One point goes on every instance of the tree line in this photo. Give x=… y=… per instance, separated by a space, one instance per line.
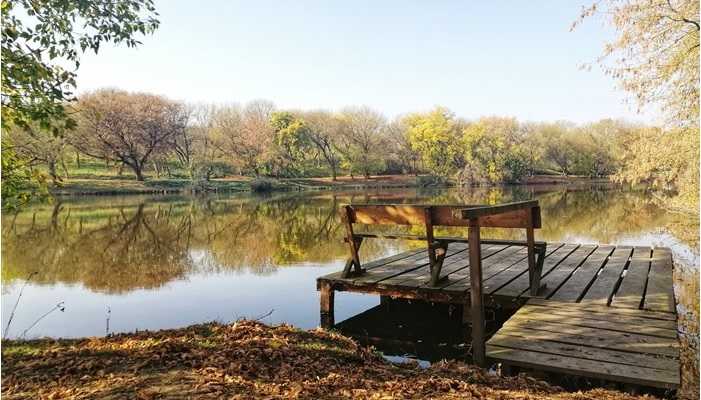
x=147 y=133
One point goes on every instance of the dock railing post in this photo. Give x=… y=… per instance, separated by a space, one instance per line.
x=476 y=307
x=534 y=271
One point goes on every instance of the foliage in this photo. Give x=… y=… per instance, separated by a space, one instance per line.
x=493 y=151
x=20 y=183
x=292 y=143
x=668 y=161
x=40 y=37
x=656 y=59
x=431 y=181
x=201 y=142
x=262 y=185
x=435 y=137
x=656 y=53
x=35 y=148
x=41 y=41
x=401 y=153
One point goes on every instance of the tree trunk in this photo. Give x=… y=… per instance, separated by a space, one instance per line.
x=333 y=172
x=63 y=165
x=52 y=172
x=137 y=171
x=77 y=159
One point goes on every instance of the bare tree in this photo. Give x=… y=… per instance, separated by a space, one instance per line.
x=190 y=144
x=362 y=132
x=323 y=132
x=244 y=135
x=38 y=148
x=130 y=128
x=400 y=146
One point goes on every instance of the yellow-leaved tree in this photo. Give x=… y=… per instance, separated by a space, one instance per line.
x=655 y=58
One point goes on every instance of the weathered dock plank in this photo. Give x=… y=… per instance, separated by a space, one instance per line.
x=563 y=270
x=630 y=293
x=402 y=266
x=421 y=276
x=569 y=312
x=521 y=284
x=584 y=367
x=590 y=338
x=579 y=281
x=461 y=271
x=585 y=339
x=597 y=308
x=659 y=295
x=518 y=340
x=607 y=311
x=603 y=287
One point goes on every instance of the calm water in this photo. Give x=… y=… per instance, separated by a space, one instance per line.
x=162 y=262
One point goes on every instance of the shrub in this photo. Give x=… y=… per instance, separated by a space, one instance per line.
x=431 y=181
x=262 y=185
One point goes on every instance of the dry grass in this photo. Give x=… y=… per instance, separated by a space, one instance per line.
x=245 y=360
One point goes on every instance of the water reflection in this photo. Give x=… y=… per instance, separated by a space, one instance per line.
x=143 y=243
x=163 y=262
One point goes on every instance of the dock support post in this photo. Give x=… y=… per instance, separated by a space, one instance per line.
x=326 y=306
x=476 y=308
x=535 y=268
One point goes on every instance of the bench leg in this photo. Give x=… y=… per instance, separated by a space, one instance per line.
x=437 y=257
x=326 y=306
x=354 y=261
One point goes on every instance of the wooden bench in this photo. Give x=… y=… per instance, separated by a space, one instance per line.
x=518 y=215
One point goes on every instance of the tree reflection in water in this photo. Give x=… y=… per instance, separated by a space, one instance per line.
x=146 y=242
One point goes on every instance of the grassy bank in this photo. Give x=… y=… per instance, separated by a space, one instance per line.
x=245 y=360
x=118 y=185
x=113 y=185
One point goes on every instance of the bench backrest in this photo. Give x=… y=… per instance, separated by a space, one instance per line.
x=524 y=216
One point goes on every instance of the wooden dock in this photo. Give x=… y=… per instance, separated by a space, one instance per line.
x=604 y=311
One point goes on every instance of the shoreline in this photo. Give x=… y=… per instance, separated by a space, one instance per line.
x=248 y=359
x=111 y=187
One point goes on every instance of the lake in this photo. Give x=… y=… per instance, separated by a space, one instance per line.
x=120 y=264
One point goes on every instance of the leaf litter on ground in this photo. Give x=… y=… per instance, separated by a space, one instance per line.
x=248 y=360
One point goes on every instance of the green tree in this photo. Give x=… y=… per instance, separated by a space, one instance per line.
x=42 y=41
x=494 y=151
x=40 y=36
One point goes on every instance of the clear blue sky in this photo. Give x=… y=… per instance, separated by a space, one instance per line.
x=510 y=58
